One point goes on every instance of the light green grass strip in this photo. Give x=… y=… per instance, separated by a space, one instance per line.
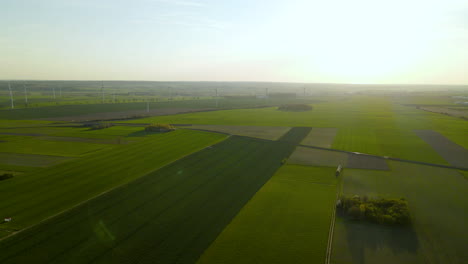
x=285 y=222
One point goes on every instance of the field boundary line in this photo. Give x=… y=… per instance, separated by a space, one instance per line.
x=105 y=192
x=387 y=158
x=332 y=225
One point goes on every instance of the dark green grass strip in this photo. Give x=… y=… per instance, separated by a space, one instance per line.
x=295 y=135
x=39 y=195
x=168 y=216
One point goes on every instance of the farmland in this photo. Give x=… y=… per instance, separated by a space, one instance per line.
x=185 y=219
x=437 y=234
x=285 y=222
x=32 y=197
x=263 y=132
x=369 y=125
x=238 y=181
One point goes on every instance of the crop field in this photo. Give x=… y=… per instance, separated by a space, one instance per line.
x=96 y=109
x=29 y=159
x=451 y=152
x=287 y=221
x=373 y=125
x=238 y=181
x=317 y=157
x=52 y=148
x=263 y=132
x=37 y=195
x=438 y=206
x=17 y=169
x=366 y=162
x=71 y=133
x=321 y=137
x=171 y=215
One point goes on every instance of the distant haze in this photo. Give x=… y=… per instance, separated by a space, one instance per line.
x=336 y=41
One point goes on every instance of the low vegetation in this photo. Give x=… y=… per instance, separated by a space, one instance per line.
x=280 y=224
x=5 y=176
x=96 y=126
x=295 y=107
x=171 y=215
x=379 y=210
x=25 y=198
x=159 y=128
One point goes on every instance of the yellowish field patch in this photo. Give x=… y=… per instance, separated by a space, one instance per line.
x=321 y=137
x=263 y=132
x=317 y=157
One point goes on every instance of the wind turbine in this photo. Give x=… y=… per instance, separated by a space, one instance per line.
x=11 y=95
x=147 y=105
x=25 y=94
x=102 y=91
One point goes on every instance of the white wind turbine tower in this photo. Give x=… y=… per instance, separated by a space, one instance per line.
x=11 y=95
x=102 y=91
x=147 y=105
x=25 y=94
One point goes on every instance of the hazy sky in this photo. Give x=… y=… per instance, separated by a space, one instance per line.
x=354 y=41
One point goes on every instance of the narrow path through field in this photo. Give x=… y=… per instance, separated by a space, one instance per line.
x=389 y=158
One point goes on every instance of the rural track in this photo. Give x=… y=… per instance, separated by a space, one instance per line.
x=388 y=158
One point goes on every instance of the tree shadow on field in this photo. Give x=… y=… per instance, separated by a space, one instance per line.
x=363 y=237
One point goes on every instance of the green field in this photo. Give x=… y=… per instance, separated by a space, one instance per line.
x=438 y=206
x=29 y=160
x=263 y=132
x=373 y=125
x=52 y=148
x=38 y=195
x=287 y=221
x=170 y=215
x=318 y=157
x=123 y=195
x=320 y=137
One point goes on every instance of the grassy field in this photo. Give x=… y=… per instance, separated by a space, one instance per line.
x=287 y=221
x=367 y=124
x=93 y=107
x=53 y=148
x=438 y=207
x=170 y=215
x=318 y=157
x=320 y=137
x=190 y=195
x=263 y=132
x=29 y=160
x=37 y=195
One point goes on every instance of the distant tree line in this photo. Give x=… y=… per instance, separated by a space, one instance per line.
x=295 y=107
x=379 y=210
x=159 y=128
x=96 y=126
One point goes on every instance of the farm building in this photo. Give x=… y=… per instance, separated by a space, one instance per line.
x=338 y=170
x=7 y=219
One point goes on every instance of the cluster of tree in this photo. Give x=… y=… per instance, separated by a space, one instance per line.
x=159 y=128
x=295 y=107
x=379 y=210
x=5 y=176
x=96 y=126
